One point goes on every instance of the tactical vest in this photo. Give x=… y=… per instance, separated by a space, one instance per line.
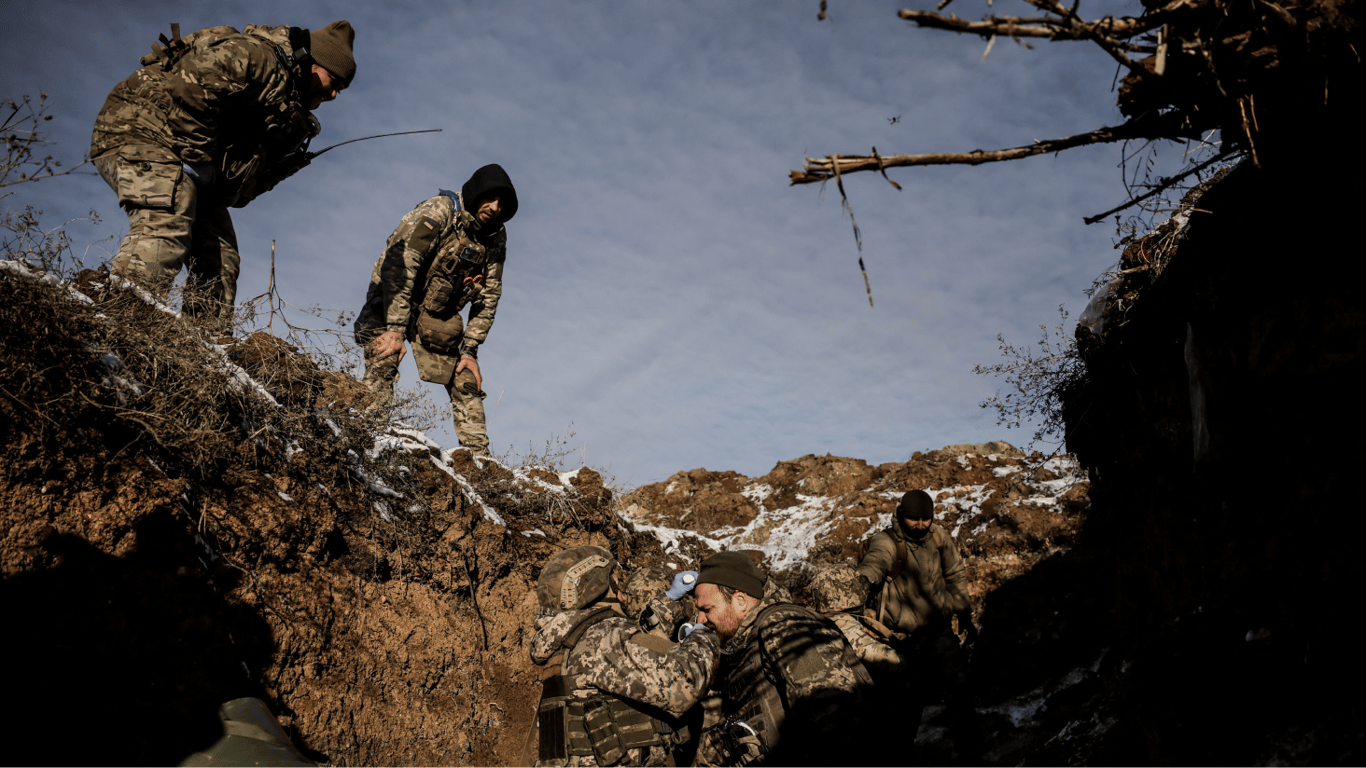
x=602 y=725
x=439 y=324
x=754 y=690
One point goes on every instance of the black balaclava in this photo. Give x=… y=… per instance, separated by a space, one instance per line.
x=489 y=179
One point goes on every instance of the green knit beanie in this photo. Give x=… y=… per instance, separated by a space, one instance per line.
x=331 y=48
x=735 y=570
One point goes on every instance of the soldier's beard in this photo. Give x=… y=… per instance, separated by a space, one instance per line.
x=914 y=533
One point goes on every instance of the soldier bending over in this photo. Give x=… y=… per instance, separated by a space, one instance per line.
x=446 y=253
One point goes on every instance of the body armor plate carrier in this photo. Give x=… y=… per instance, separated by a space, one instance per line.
x=602 y=725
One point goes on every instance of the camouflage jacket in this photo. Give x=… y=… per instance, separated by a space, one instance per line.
x=607 y=659
x=789 y=673
x=399 y=279
x=229 y=103
x=931 y=586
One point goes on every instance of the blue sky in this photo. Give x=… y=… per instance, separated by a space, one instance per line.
x=667 y=292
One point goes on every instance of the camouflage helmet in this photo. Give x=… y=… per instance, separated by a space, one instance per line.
x=644 y=585
x=575 y=578
x=838 y=588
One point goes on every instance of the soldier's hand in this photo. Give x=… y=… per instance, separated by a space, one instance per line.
x=389 y=343
x=684 y=581
x=689 y=627
x=469 y=363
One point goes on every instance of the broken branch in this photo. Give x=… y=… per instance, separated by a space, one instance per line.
x=822 y=169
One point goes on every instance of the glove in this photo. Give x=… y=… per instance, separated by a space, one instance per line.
x=683 y=584
x=687 y=628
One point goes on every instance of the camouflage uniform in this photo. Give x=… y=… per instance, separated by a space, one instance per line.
x=402 y=298
x=616 y=667
x=791 y=676
x=840 y=593
x=230 y=107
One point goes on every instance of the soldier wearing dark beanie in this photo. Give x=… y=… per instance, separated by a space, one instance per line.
x=791 y=689
x=915 y=505
x=331 y=48
x=735 y=570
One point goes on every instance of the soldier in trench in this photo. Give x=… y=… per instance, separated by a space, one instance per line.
x=447 y=252
x=792 y=690
x=612 y=693
x=918 y=585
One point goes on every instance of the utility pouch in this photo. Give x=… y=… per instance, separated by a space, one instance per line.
x=440 y=291
x=603 y=733
x=553 y=721
x=441 y=335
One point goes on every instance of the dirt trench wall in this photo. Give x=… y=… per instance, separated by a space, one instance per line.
x=1222 y=428
x=141 y=591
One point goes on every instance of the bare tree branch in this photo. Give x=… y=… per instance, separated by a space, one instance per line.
x=19 y=131
x=1163 y=185
x=822 y=169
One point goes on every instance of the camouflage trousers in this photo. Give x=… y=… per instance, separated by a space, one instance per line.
x=170 y=225
x=467 y=401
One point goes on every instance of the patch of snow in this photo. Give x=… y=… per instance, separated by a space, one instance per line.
x=141 y=293
x=757 y=493
x=533 y=532
x=383 y=510
x=1005 y=469
x=284 y=496
x=18 y=268
x=669 y=538
x=383 y=489
x=475 y=498
x=408 y=440
x=238 y=379
x=522 y=474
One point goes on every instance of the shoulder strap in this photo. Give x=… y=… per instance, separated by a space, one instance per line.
x=168 y=51
x=902 y=554
x=455 y=198
x=172 y=50
x=571 y=638
x=770 y=665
